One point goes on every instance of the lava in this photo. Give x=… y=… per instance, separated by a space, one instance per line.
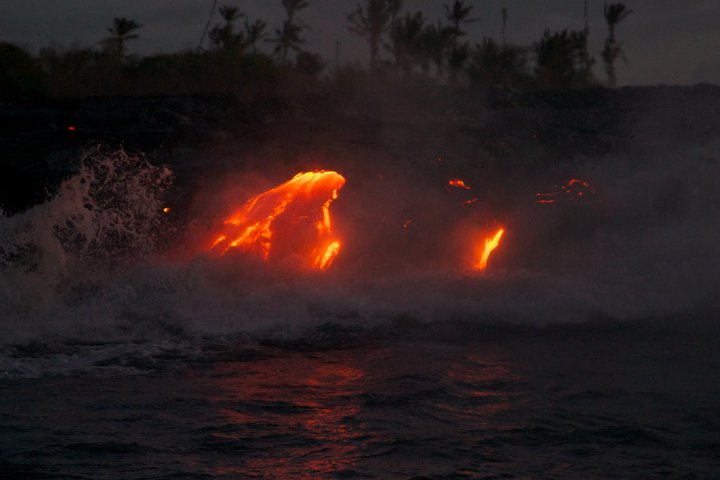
x=578 y=188
x=491 y=243
x=574 y=189
x=459 y=183
x=290 y=219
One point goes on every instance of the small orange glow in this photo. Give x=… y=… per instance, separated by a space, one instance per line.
x=166 y=210
x=573 y=190
x=472 y=201
x=458 y=183
x=546 y=198
x=491 y=243
x=292 y=218
x=407 y=223
x=577 y=183
x=71 y=128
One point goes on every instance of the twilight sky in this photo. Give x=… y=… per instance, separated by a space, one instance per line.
x=666 y=41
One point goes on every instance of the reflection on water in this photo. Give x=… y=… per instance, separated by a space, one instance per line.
x=399 y=408
x=296 y=407
x=316 y=415
x=486 y=387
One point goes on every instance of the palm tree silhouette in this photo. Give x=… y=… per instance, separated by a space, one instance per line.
x=614 y=14
x=458 y=57
x=562 y=60
x=457 y=15
x=224 y=36
x=121 y=32
x=254 y=32
x=372 y=22
x=437 y=41
x=458 y=54
x=493 y=64
x=293 y=6
x=288 y=36
x=406 y=36
x=229 y=13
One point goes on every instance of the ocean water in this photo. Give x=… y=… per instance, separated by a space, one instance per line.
x=588 y=349
x=402 y=401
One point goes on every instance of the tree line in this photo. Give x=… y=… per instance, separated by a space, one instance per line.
x=229 y=56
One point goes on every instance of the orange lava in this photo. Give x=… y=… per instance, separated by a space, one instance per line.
x=459 y=183
x=292 y=218
x=491 y=243
x=577 y=183
x=573 y=189
x=546 y=198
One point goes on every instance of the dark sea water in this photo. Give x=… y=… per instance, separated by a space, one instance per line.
x=590 y=349
x=408 y=401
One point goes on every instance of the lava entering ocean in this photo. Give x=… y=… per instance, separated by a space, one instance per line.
x=292 y=218
x=491 y=243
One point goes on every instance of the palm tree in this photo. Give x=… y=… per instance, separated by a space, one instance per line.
x=457 y=15
x=372 y=22
x=121 y=32
x=437 y=41
x=458 y=54
x=224 y=36
x=614 y=14
x=562 y=60
x=492 y=64
x=287 y=38
x=254 y=32
x=457 y=58
x=405 y=37
x=293 y=6
x=230 y=14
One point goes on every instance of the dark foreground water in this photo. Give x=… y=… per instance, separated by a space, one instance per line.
x=451 y=400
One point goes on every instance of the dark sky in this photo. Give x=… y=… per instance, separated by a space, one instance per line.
x=666 y=41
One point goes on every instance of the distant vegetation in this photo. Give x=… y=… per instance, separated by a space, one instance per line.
x=230 y=57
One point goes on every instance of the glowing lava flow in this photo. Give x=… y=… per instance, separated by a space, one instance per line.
x=458 y=183
x=292 y=218
x=491 y=243
x=574 y=189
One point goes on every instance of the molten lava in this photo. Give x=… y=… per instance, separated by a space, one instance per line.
x=491 y=243
x=574 y=189
x=459 y=183
x=292 y=218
